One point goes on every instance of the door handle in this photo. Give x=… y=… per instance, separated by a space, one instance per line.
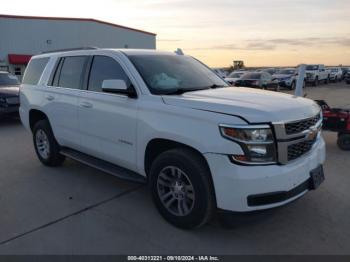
x=49 y=97
x=86 y=104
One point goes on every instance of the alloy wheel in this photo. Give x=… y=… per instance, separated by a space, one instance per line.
x=175 y=191
x=42 y=144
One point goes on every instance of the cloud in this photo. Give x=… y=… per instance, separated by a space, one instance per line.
x=169 y=40
x=274 y=43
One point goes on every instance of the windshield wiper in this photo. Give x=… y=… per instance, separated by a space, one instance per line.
x=216 y=86
x=180 y=91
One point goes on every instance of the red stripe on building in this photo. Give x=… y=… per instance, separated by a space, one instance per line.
x=17 y=59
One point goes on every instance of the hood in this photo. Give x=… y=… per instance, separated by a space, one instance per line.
x=281 y=76
x=9 y=91
x=256 y=106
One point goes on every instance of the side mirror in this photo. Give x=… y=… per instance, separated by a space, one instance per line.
x=118 y=86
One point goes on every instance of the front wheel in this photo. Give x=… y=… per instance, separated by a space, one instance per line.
x=46 y=146
x=181 y=188
x=344 y=141
x=316 y=82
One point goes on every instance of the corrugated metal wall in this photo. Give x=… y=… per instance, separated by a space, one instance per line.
x=33 y=36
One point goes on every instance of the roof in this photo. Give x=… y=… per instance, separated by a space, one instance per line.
x=75 y=19
x=98 y=50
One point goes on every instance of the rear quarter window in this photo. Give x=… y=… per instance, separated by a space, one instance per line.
x=34 y=71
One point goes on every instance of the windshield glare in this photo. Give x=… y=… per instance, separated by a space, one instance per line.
x=251 y=76
x=164 y=74
x=8 y=80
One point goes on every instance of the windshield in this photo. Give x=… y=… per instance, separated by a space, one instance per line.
x=287 y=72
x=166 y=74
x=312 y=67
x=333 y=69
x=8 y=80
x=235 y=75
x=251 y=76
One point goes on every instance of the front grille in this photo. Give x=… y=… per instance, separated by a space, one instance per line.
x=299 y=149
x=12 y=100
x=302 y=125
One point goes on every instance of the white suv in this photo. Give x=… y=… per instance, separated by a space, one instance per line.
x=168 y=120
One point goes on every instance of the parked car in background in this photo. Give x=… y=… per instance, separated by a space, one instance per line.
x=261 y=80
x=317 y=73
x=271 y=71
x=345 y=71
x=169 y=121
x=9 y=94
x=286 y=77
x=220 y=72
x=347 y=77
x=335 y=74
x=234 y=76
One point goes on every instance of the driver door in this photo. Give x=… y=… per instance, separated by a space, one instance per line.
x=107 y=121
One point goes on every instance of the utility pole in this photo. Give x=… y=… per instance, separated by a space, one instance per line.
x=300 y=81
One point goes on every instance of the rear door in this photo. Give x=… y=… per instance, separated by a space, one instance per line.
x=107 y=121
x=62 y=99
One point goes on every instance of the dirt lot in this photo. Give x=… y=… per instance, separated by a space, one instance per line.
x=75 y=209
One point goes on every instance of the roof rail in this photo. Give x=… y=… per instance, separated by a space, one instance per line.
x=70 y=49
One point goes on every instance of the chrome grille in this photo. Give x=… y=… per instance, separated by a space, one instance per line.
x=294 y=139
x=299 y=149
x=302 y=125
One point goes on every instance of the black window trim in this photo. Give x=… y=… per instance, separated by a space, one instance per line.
x=54 y=71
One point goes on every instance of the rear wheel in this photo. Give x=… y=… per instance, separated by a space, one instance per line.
x=46 y=146
x=181 y=188
x=344 y=141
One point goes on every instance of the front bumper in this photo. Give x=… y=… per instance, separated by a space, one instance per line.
x=235 y=183
x=4 y=110
x=284 y=83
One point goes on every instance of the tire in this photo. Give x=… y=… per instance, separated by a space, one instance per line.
x=292 y=86
x=336 y=79
x=327 y=80
x=315 y=83
x=45 y=144
x=192 y=205
x=344 y=141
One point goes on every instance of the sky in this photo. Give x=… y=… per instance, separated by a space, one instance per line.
x=259 y=32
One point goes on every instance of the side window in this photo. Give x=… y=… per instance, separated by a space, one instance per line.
x=34 y=70
x=71 y=71
x=55 y=74
x=105 y=68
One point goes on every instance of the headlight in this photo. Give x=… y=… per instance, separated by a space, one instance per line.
x=257 y=143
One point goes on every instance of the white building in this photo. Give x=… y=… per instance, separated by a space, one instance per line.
x=24 y=36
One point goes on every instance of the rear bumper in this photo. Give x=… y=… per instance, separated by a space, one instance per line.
x=240 y=188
